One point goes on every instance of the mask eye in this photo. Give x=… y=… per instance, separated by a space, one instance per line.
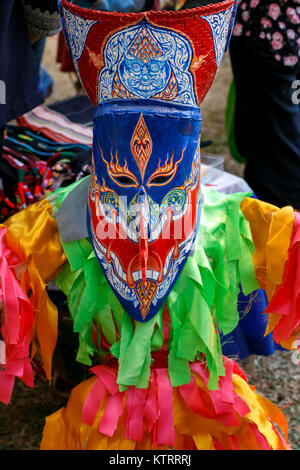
x=160 y=180
x=136 y=68
x=164 y=174
x=124 y=180
x=134 y=65
x=154 y=67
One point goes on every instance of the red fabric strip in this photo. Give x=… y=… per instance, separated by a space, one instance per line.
x=108 y=376
x=135 y=403
x=165 y=422
x=286 y=300
x=93 y=402
x=6 y=387
x=199 y=402
x=260 y=438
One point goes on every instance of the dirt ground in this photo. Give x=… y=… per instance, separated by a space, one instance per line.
x=276 y=377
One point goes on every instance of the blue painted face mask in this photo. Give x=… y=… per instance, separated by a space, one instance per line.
x=143 y=200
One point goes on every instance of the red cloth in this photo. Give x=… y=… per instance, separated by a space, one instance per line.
x=189 y=23
x=63 y=56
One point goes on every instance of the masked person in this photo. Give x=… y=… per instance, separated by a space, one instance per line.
x=22 y=24
x=265 y=131
x=149 y=261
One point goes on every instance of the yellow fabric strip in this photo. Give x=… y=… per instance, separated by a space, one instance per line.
x=260 y=410
x=271 y=230
x=33 y=236
x=65 y=429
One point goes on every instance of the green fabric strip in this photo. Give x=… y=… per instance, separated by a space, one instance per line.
x=56 y=199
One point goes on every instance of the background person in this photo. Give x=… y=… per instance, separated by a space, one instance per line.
x=265 y=53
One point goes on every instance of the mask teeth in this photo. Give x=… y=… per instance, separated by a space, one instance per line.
x=143 y=232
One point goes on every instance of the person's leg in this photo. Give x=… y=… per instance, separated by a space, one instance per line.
x=38 y=49
x=243 y=74
x=267 y=124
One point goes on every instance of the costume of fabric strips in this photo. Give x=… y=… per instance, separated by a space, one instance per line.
x=227 y=413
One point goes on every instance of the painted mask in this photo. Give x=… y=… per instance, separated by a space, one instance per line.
x=147 y=74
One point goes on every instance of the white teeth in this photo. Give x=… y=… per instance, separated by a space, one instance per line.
x=101 y=250
x=167 y=262
x=137 y=275
x=155 y=234
x=120 y=270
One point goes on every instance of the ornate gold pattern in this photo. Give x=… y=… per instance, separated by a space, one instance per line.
x=141 y=145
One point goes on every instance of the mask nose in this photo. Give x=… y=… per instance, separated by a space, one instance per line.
x=144 y=218
x=145 y=73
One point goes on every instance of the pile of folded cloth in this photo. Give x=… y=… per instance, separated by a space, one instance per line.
x=48 y=148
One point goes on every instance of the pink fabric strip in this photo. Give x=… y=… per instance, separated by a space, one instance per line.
x=108 y=377
x=135 y=403
x=17 y=325
x=15 y=367
x=228 y=419
x=217 y=444
x=199 y=368
x=27 y=376
x=11 y=306
x=226 y=382
x=93 y=402
x=237 y=370
x=260 y=438
x=192 y=397
x=235 y=445
x=106 y=380
x=165 y=423
x=284 y=443
x=219 y=406
x=225 y=401
x=151 y=411
x=240 y=406
x=112 y=413
x=6 y=387
x=27 y=317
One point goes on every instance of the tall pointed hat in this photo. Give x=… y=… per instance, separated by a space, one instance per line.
x=147 y=74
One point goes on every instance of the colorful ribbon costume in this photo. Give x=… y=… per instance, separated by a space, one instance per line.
x=150 y=264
